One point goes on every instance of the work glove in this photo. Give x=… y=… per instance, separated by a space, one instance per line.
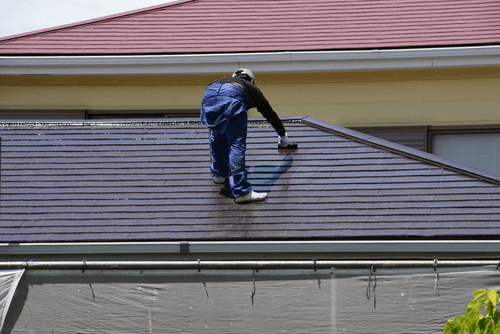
x=284 y=142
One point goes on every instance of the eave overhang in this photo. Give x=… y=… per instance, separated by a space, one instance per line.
x=260 y=62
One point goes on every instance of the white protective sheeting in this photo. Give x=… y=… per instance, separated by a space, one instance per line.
x=8 y=284
x=325 y=301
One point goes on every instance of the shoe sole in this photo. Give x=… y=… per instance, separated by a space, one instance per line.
x=249 y=200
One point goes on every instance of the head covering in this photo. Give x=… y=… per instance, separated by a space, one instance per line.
x=245 y=74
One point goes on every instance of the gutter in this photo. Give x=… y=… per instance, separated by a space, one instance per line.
x=265 y=250
x=276 y=62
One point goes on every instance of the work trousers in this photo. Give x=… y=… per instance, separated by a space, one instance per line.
x=227 y=151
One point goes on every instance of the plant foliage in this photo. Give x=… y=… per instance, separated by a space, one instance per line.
x=481 y=317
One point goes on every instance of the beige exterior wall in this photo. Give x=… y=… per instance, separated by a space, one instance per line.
x=413 y=97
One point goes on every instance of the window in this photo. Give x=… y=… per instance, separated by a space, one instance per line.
x=414 y=137
x=480 y=150
x=47 y=114
x=28 y=114
x=108 y=114
x=476 y=146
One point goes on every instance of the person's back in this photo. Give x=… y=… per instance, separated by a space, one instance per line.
x=224 y=111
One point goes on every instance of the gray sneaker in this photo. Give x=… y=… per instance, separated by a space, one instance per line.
x=251 y=197
x=219 y=179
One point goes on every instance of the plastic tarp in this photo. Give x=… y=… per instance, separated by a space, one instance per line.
x=286 y=301
x=8 y=284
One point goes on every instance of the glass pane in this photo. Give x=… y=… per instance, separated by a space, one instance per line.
x=480 y=150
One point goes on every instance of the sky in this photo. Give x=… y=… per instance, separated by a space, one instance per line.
x=21 y=16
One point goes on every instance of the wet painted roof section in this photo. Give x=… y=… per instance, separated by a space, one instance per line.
x=148 y=181
x=208 y=26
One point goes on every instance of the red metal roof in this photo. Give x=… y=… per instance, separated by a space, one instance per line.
x=206 y=26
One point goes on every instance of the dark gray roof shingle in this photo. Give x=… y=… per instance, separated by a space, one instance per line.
x=150 y=180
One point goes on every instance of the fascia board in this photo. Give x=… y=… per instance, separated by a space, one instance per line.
x=461 y=249
x=276 y=62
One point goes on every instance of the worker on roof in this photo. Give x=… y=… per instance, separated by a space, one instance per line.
x=224 y=111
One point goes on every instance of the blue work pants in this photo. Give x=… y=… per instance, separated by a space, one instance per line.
x=227 y=151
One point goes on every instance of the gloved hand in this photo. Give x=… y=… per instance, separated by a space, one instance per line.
x=284 y=142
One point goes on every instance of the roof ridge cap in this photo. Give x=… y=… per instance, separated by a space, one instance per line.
x=405 y=151
x=94 y=20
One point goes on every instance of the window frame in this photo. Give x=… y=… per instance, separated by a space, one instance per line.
x=429 y=131
x=60 y=114
x=143 y=113
x=459 y=129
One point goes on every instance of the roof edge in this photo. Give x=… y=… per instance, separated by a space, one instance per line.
x=405 y=151
x=259 y=62
x=92 y=21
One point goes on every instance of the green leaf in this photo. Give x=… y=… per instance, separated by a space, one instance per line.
x=473 y=321
x=479 y=293
x=452 y=327
x=474 y=309
x=492 y=297
x=484 y=323
x=462 y=321
x=486 y=326
x=496 y=317
x=488 y=308
x=473 y=315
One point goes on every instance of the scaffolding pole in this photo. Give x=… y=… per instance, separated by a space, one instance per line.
x=254 y=265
